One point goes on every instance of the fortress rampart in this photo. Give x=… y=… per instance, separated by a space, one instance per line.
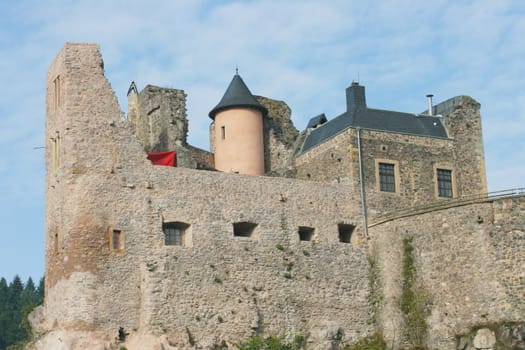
x=469 y=259
x=185 y=258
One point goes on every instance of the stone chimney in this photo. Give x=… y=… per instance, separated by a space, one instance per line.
x=355 y=97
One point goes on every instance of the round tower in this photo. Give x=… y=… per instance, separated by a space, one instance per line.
x=238 y=119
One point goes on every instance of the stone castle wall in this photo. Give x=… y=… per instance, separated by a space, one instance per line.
x=227 y=287
x=86 y=136
x=159 y=119
x=463 y=122
x=469 y=259
x=279 y=135
x=219 y=287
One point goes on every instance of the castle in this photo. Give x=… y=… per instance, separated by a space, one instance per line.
x=274 y=231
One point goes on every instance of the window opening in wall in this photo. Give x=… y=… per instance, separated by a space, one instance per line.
x=387 y=179
x=223 y=132
x=444 y=178
x=55 y=151
x=56 y=93
x=345 y=232
x=174 y=233
x=243 y=229
x=117 y=240
x=306 y=233
x=55 y=245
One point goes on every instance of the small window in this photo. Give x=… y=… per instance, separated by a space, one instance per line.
x=56 y=94
x=387 y=179
x=243 y=229
x=223 y=132
x=444 y=179
x=55 y=243
x=55 y=151
x=306 y=233
x=116 y=240
x=175 y=233
x=345 y=232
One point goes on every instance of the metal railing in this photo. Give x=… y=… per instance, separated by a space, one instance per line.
x=450 y=203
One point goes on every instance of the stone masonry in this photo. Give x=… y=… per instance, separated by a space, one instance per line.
x=470 y=259
x=283 y=254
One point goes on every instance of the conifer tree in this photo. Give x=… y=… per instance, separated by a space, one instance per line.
x=17 y=300
x=4 y=312
x=14 y=332
x=40 y=291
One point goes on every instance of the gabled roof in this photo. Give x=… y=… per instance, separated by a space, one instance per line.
x=237 y=95
x=363 y=117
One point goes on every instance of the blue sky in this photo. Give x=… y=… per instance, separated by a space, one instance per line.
x=303 y=52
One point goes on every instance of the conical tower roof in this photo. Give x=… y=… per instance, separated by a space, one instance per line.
x=237 y=95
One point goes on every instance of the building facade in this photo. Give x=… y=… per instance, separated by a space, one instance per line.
x=273 y=231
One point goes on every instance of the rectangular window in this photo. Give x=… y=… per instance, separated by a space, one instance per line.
x=243 y=229
x=306 y=233
x=387 y=178
x=345 y=232
x=223 y=132
x=444 y=179
x=56 y=94
x=172 y=236
x=55 y=151
x=116 y=240
x=174 y=233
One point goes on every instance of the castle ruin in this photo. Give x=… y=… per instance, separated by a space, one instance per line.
x=275 y=231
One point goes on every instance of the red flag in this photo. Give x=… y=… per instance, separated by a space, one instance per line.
x=163 y=158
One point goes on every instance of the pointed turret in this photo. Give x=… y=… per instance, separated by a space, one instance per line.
x=237 y=95
x=238 y=131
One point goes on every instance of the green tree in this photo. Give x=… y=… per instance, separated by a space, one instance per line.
x=14 y=332
x=4 y=312
x=28 y=295
x=17 y=300
x=40 y=291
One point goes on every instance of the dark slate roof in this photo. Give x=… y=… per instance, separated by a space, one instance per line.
x=316 y=121
x=376 y=119
x=237 y=95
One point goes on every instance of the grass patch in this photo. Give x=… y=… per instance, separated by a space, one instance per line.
x=373 y=342
x=272 y=343
x=191 y=338
x=414 y=299
x=375 y=298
